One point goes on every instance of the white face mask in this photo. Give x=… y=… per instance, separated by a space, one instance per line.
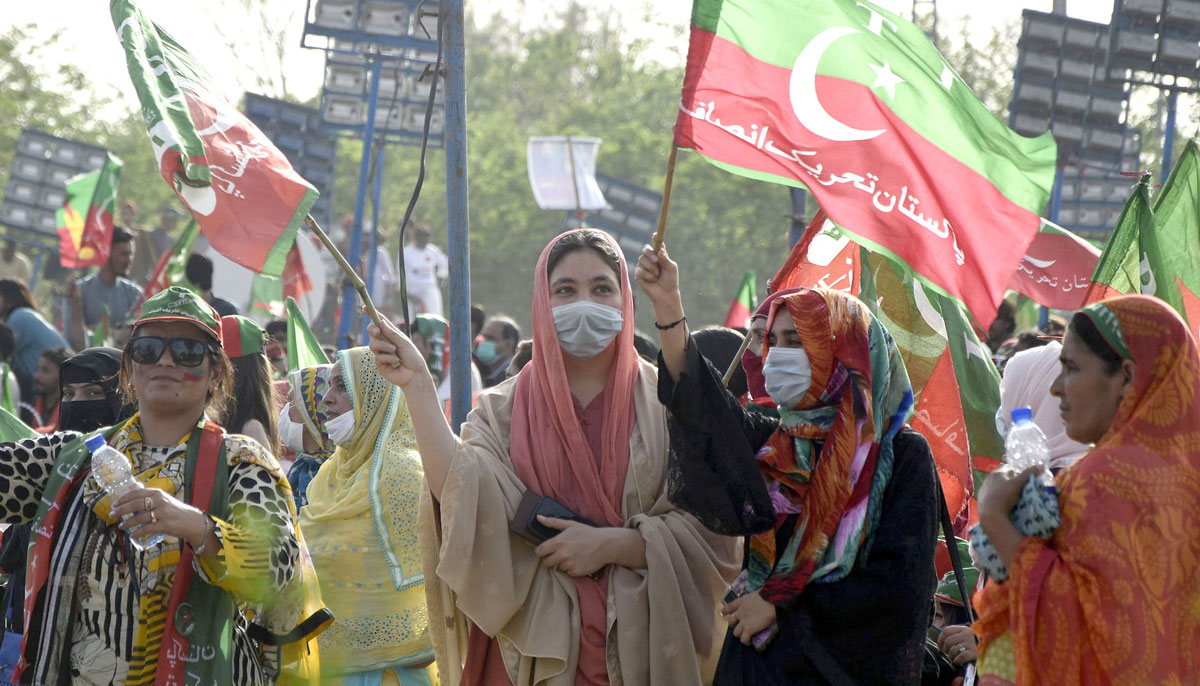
x=291 y=433
x=787 y=375
x=341 y=428
x=585 y=328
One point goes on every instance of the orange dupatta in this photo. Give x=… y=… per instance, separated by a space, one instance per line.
x=1114 y=596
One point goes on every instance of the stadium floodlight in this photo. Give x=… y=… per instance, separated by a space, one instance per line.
x=340 y=15
x=1061 y=84
x=343 y=110
x=384 y=18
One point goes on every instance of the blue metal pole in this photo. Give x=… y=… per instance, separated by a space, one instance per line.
x=1169 y=137
x=456 y=211
x=37 y=268
x=349 y=297
x=373 y=253
x=1055 y=206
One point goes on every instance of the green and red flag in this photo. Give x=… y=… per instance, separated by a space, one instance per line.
x=854 y=102
x=1155 y=247
x=1057 y=268
x=172 y=265
x=303 y=350
x=744 y=303
x=266 y=297
x=239 y=187
x=85 y=221
x=956 y=385
x=100 y=335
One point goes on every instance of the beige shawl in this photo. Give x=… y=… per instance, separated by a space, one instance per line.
x=663 y=626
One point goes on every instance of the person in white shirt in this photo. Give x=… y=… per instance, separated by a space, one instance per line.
x=426 y=271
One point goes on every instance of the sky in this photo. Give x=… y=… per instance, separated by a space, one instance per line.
x=207 y=29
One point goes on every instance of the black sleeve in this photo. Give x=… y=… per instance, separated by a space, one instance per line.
x=713 y=473
x=885 y=601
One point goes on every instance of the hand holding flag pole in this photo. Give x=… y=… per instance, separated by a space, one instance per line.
x=355 y=279
x=666 y=202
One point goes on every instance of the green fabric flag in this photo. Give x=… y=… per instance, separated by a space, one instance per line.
x=238 y=185
x=744 y=303
x=266 y=297
x=85 y=221
x=853 y=102
x=303 y=350
x=172 y=265
x=99 y=337
x=13 y=429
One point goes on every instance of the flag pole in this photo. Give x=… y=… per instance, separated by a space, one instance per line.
x=666 y=201
x=355 y=279
x=737 y=360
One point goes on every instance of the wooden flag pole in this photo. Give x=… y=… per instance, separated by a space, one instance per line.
x=666 y=201
x=737 y=360
x=355 y=279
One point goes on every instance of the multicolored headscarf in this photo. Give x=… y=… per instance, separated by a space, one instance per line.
x=306 y=391
x=859 y=400
x=1112 y=597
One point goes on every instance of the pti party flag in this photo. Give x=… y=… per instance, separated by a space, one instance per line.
x=171 y=266
x=303 y=350
x=853 y=102
x=85 y=221
x=13 y=429
x=296 y=283
x=1155 y=248
x=1057 y=268
x=239 y=187
x=1173 y=249
x=744 y=303
x=266 y=296
x=955 y=382
x=99 y=337
x=824 y=257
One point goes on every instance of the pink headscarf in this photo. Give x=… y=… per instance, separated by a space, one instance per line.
x=549 y=450
x=1026 y=382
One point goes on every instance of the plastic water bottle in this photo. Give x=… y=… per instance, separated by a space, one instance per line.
x=1026 y=447
x=112 y=471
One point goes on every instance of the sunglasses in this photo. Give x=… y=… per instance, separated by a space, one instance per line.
x=187 y=352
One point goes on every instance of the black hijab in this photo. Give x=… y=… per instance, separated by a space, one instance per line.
x=98 y=366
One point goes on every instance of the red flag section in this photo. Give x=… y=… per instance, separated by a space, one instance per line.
x=938 y=417
x=902 y=194
x=824 y=257
x=1057 y=269
x=295 y=277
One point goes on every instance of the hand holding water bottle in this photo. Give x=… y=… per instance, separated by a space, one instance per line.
x=148 y=515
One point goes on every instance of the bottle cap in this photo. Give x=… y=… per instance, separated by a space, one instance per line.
x=1022 y=414
x=94 y=443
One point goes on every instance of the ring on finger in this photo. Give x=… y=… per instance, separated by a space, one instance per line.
x=149 y=504
x=154 y=519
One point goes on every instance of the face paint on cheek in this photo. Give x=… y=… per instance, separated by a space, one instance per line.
x=188 y=376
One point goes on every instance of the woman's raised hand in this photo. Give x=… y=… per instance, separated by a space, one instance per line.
x=396 y=357
x=658 y=276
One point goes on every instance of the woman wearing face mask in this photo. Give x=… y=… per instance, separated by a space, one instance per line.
x=90 y=397
x=361 y=524
x=628 y=597
x=835 y=497
x=302 y=427
x=1112 y=597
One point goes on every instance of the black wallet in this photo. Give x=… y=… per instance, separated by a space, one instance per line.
x=526 y=525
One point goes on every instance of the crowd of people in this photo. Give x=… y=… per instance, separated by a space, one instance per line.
x=617 y=508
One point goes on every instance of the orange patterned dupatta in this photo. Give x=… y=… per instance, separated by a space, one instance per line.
x=1114 y=596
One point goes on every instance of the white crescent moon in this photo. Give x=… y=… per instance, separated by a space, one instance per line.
x=802 y=88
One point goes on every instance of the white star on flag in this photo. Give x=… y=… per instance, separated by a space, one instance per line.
x=885 y=78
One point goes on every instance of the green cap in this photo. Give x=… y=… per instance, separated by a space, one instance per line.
x=176 y=304
x=242 y=336
x=947 y=588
